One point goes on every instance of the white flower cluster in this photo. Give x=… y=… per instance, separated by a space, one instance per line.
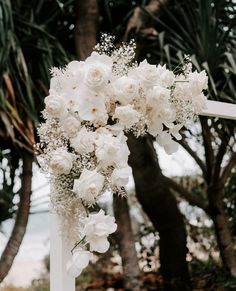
x=90 y=107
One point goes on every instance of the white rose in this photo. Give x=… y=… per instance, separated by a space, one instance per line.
x=55 y=106
x=126 y=115
x=80 y=260
x=89 y=185
x=199 y=103
x=61 y=161
x=147 y=74
x=167 y=77
x=91 y=107
x=84 y=141
x=96 y=76
x=96 y=230
x=98 y=70
x=71 y=126
x=157 y=95
x=197 y=82
x=76 y=68
x=112 y=151
x=120 y=177
x=125 y=89
x=154 y=125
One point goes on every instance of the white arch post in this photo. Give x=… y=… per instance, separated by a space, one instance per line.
x=60 y=251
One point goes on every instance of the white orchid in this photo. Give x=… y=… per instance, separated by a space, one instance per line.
x=91 y=107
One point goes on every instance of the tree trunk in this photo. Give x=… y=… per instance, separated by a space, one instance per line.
x=126 y=242
x=21 y=220
x=161 y=207
x=222 y=230
x=87 y=16
x=86 y=28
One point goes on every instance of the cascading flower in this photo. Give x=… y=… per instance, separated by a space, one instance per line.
x=61 y=161
x=80 y=260
x=89 y=185
x=91 y=106
x=96 y=230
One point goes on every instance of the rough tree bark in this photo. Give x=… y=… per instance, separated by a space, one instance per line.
x=215 y=178
x=126 y=242
x=21 y=220
x=222 y=230
x=161 y=207
x=86 y=27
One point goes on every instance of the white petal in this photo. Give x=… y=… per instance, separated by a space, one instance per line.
x=171 y=147
x=72 y=270
x=100 y=245
x=81 y=259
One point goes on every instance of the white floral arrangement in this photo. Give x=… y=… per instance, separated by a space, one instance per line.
x=91 y=106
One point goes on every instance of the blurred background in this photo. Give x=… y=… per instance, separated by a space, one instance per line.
x=179 y=221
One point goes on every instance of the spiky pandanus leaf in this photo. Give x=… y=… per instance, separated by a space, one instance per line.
x=29 y=47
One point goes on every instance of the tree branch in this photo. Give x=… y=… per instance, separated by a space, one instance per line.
x=227 y=170
x=194 y=155
x=186 y=194
x=209 y=153
x=219 y=157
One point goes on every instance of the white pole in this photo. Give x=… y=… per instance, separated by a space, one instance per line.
x=59 y=255
x=60 y=251
x=220 y=109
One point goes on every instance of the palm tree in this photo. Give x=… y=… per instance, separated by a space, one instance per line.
x=29 y=46
x=205 y=30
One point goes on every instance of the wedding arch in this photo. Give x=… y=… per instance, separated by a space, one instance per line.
x=90 y=106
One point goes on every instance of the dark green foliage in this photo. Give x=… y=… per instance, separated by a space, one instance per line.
x=209 y=276
x=30 y=44
x=34 y=36
x=205 y=30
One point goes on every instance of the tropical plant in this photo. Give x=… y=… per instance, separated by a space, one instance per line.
x=205 y=30
x=29 y=33
x=165 y=31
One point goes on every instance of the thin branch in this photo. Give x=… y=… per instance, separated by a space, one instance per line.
x=209 y=153
x=186 y=194
x=227 y=170
x=219 y=157
x=194 y=155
